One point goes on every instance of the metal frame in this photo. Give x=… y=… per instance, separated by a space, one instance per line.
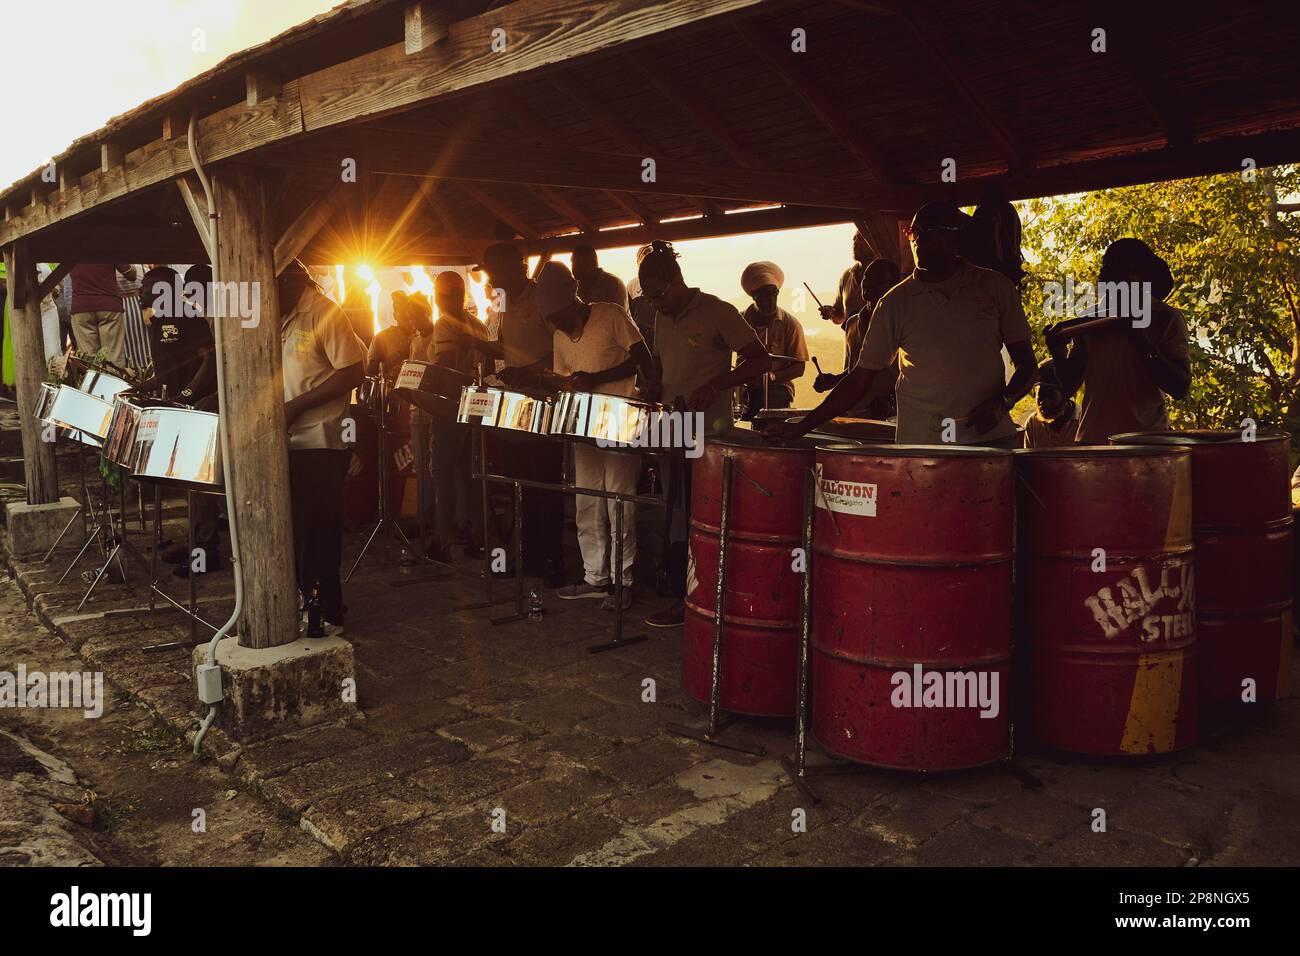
x=719 y=722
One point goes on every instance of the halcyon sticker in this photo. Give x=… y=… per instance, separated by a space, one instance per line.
x=846 y=497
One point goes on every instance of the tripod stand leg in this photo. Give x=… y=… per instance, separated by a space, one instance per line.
x=77 y=514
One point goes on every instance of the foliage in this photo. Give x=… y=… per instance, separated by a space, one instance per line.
x=1235 y=258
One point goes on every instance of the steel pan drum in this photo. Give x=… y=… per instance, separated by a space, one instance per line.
x=506 y=409
x=603 y=419
x=119 y=444
x=178 y=447
x=435 y=389
x=1243 y=530
x=912 y=605
x=83 y=417
x=101 y=384
x=1107 y=598
x=759 y=666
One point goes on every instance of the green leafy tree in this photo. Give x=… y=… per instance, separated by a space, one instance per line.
x=1233 y=245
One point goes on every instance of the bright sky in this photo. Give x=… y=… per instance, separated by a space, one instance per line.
x=124 y=52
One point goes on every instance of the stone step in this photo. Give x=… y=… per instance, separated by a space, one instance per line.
x=12 y=469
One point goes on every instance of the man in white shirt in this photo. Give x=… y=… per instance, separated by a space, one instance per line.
x=597 y=348
x=323 y=360
x=947 y=323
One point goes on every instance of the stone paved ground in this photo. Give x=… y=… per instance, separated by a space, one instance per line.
x=464 y=720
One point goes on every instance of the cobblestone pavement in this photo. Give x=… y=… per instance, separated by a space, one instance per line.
x=468 y=724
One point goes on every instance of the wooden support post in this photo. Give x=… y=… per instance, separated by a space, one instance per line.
x=426 y=24
x=254 y=410
x=29 y=372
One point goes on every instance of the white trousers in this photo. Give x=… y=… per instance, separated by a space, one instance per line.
x=605 y=470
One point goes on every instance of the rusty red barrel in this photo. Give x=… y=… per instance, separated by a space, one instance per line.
x=759 y=647
x=1243 y=529
x=911 y=605
x=1106 y=590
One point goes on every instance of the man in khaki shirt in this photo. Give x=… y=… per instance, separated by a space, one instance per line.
x=695 y=336
x=947 y=323
x=1126 y=368
x=323 y=361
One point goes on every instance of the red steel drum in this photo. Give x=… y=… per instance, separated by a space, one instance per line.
x=912 y=593
x=761 y=620
x=1109 y=635
x=1242 y=525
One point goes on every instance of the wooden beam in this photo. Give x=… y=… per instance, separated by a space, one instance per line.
x=925 y=30
x=408 y=154
x=498 y=209
x=29 y=372
x=566 y=208
x=1133 y=36
x=426 y=24
x=260 y=86
x=703 y=227
x=254 y=413
x=197 y=205
x=110 y=156
x=303 y=229
x=633 y=207
x=693 y=103
x=783 y=62
x=55 y=277
x=544 y=35
x=621 y=132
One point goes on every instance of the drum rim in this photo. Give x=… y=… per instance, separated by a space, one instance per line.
x=1154 y=450
x=1196 y=437
x=917 y=451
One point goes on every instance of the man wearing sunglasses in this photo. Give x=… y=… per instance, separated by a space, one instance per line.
x=947 y=323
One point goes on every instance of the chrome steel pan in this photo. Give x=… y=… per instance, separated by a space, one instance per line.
x=83 y=418
x=603 y=419
x=433 y=388
x=119 y=444
x=506 y=409
x=178 y=447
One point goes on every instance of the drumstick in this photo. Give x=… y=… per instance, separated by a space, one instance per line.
x=817 y=366
x=814 y=295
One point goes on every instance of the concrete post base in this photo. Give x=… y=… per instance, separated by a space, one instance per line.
x=33 y=528
x=278 y=689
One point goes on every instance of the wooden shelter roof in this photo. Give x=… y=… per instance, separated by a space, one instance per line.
x=457 y=145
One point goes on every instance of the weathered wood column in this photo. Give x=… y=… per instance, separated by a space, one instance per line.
x=254 y=406
x=29 y=372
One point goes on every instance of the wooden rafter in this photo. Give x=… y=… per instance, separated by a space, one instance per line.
x=925 y=32
x=783 y=63
x=565 y=207
x=308 y=223
x=189 y=188
x=618 y=130
x=498 y=209
x=544 y=35
x=1133 y=37
x=694 y=104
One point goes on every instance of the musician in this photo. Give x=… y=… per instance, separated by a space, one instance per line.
x=695 y=336
x=777 y=330
x=185 y=371
x=1126 y=369
x=878 y=277
x=596 y=348
x=453 y=465
x=98 y=309
x=323 y=362
x=947 y=322
x=1055 y=422
x=391 y=344
x=594 y=283
x=524 y=343
x=848 y=298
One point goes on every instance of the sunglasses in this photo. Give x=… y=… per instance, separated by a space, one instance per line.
x=916 y=232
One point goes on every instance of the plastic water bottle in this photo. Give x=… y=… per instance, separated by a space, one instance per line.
x=406 y=561
x=535 y=609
